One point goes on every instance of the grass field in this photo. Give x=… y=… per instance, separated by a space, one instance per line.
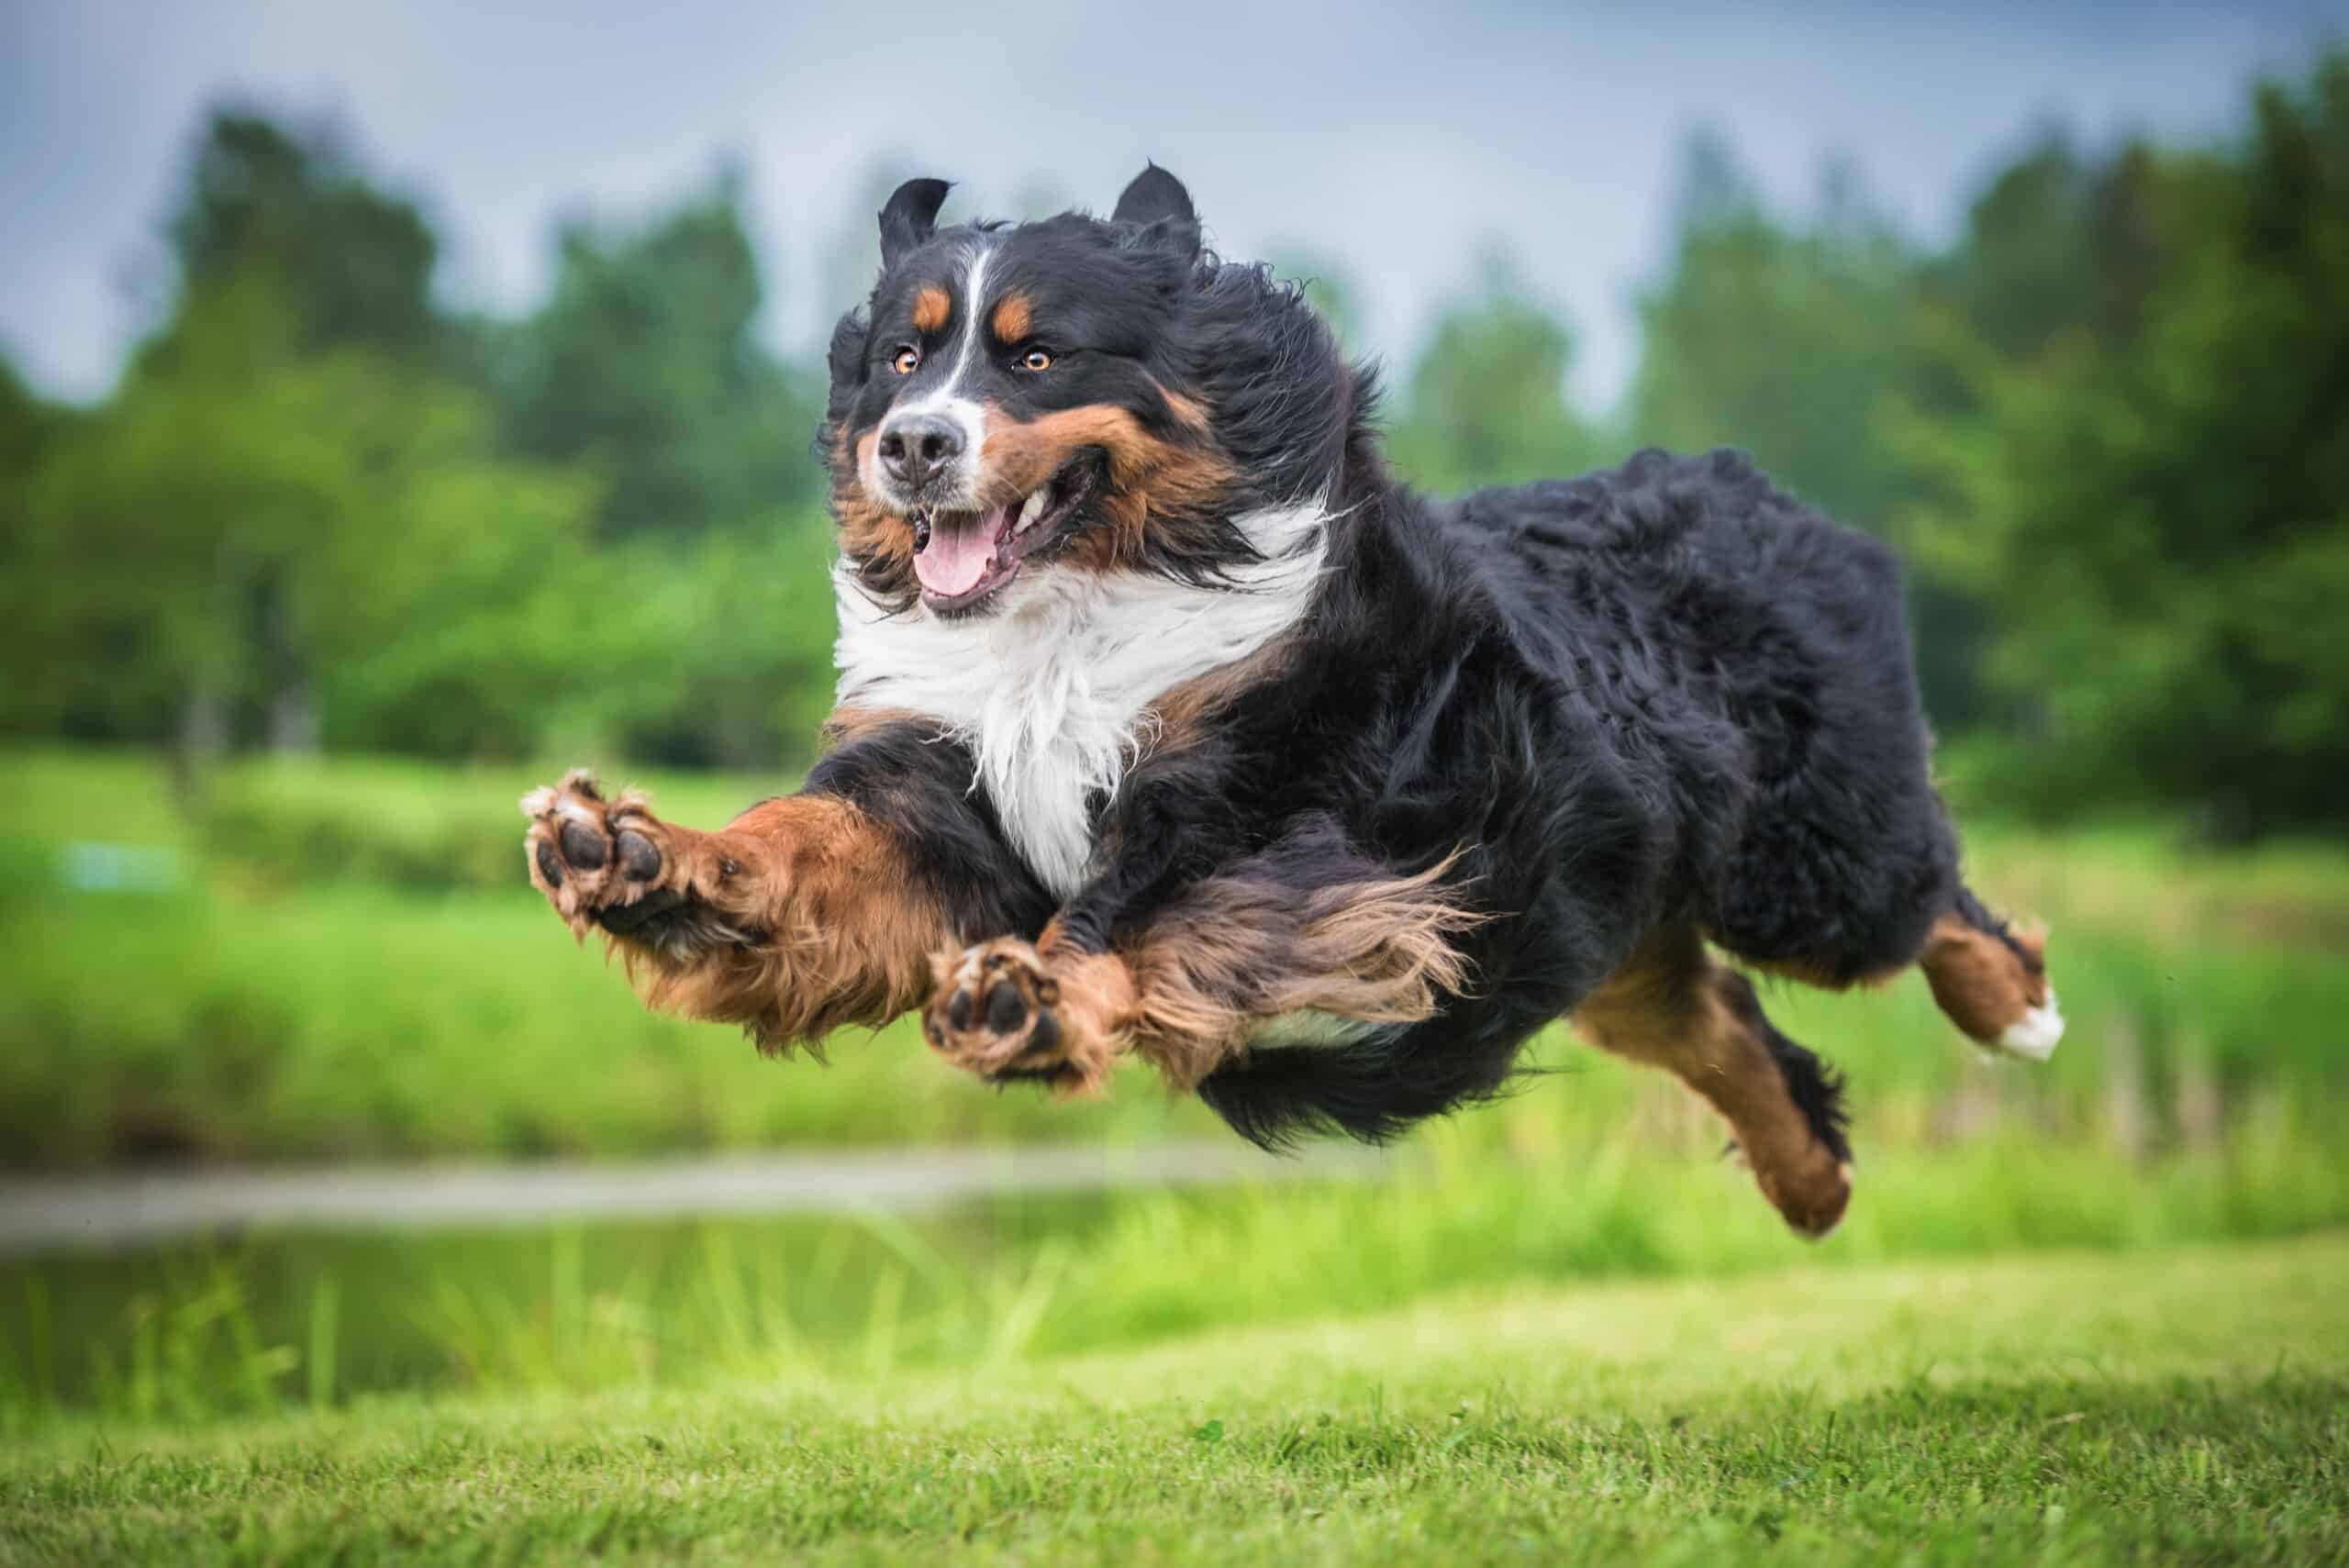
x=2180 y=1405
x=2094 y=1311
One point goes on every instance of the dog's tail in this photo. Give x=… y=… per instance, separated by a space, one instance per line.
x=1991 y=978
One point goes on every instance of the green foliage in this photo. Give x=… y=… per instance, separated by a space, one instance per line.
x=287 y=824
x=26 y=430
x=2158 y=500
x=253 y=538
x=717 y=651
x=314 y=986
x=2026 y=271
x=316 y=513
x=645 y=368
x=349 y=966
x=344 y=264
x=1487 y=402
x=320 y=511
x=1796 y=344
x=24 y=427
x=1779 y=341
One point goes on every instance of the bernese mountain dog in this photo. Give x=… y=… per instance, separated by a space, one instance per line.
x=1170 y=723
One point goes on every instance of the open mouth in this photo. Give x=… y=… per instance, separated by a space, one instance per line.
x=964 y=559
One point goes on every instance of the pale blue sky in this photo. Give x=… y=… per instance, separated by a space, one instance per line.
x=1398 y=140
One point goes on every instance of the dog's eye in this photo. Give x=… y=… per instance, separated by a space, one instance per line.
x=904 y=361
x=1035 y=360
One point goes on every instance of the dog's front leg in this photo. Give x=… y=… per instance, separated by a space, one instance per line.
x=798 y=917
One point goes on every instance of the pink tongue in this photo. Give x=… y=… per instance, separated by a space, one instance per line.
x=959 y=553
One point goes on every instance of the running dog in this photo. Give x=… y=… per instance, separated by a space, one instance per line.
x=1170 y=723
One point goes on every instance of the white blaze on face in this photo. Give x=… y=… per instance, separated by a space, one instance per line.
x=950 y=398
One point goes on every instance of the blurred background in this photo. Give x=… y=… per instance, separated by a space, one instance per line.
x=397 y=408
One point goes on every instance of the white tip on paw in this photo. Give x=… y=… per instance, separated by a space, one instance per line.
x=2035 y=1033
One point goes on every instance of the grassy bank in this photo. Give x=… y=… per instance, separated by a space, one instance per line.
x=275 y=975
x=337 y=960
x=2177 y=1404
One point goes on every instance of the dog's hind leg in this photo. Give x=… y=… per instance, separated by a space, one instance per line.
x=1189 y=984
x=1672 y=1005
x=1991 y=978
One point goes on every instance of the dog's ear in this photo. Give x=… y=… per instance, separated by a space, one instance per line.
x=909 y=216
x=1157 y=200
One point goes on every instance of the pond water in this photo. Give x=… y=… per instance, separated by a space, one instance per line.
x=257 y=1321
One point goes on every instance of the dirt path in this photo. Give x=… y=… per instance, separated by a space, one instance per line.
x=127 y=1210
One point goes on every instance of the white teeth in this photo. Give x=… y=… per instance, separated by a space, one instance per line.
x=1030 y=513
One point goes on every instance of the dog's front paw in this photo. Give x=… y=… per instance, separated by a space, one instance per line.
x=612 y=863
x=998 y=1010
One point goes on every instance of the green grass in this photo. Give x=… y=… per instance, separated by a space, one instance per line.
x=308 y=993
x=2183 y=1404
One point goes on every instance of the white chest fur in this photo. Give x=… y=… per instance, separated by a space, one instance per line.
x=1052 y=693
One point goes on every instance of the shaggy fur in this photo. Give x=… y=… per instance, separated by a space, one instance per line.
x=1173 y=724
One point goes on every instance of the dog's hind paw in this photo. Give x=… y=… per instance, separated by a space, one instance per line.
x=2036 y=1034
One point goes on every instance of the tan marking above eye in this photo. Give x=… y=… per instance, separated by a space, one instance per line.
x=931 y=308
x=904 y=361
x=1013 y=319
x=1036 y=360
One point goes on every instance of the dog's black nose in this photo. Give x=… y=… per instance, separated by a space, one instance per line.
x=917 y=446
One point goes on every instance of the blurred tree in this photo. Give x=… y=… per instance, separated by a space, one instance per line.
x=28 y=430
x=1796 y=344
x=1486 y=402
x=25 y=426
x=288 y=255
x=349 y=264
x=718 y=654
x=2157 y=499
x=646 y=368
x=1781 y=341
x=237 y=506
x=2022 y=272
x=2112 y=423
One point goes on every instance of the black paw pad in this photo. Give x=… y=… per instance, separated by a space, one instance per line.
x=640 y=856
x=550 y=863
x=1007 y=1008
x=1046 y=1035
x=1051 y=1073
x=583 y=846
x=622 y=919
x=958 y=1010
